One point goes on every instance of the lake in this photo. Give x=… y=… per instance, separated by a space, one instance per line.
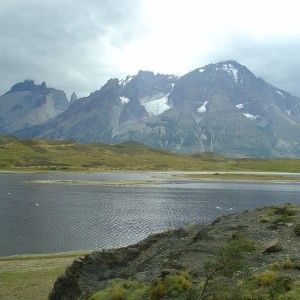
x=45 y=218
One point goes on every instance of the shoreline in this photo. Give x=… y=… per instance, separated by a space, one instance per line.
x=35 y=256
x=169 y=177
x=32 y=276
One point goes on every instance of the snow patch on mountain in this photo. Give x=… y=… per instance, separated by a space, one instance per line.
x=124 y=82
x=240 y=106
x=279 y=93
x=124 y=100
x=232 y=71
x=249 y=116
x=201 y=70
x=158 y=106
x=202 y=109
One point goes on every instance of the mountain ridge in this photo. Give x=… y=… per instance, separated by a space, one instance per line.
x=220 y=107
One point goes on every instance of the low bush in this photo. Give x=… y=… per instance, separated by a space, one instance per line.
x=123 y=290
x=284 y=219
x=172 y=286
x=297 y=229
x=265 y=278
x=288 y=264
x=263 y=219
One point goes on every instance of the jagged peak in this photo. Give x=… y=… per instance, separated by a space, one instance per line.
x=146 y=75
x=28 y=85
x=73 y=97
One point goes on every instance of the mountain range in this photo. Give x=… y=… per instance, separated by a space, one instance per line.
x=220 y=107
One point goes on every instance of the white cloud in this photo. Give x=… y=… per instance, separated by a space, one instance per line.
x=78 y=45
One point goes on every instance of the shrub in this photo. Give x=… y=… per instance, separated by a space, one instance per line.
x=157 y=290
x=231 y=260
x=123 y=290
x=284 y=219
x=265 y=278
x=172 y=286
x=274 y=266
x=288 y=264
x=296 y=265
x=263 y=219
x=281 y=286
x=291 y=295
x=177 y=284
x=232 y=257
x=297 y=229
x=286 y=209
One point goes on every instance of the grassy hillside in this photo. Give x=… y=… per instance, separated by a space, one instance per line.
x=68 y=155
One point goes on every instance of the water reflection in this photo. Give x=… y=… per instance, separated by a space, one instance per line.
x=73 y=217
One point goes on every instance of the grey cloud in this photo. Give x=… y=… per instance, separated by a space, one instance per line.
x=68 y=44
x=59 y=40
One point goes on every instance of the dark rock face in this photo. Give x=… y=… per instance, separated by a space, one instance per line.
x=221 y=107
x=30 y=86
x=28 y=104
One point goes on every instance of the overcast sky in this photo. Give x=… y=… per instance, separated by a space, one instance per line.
x=77 y=45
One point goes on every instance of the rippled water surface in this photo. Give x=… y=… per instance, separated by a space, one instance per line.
x=43 y=218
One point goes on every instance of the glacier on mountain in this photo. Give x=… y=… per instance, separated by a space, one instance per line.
x=158 y=106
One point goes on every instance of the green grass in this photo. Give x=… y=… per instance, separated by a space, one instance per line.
x=32 y=276
x=238 y=177
x=43 y=155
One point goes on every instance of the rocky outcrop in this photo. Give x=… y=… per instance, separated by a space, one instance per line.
x=272 y=246
x=180 y=249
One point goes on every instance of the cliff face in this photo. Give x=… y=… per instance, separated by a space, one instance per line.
x=28 y=104
x=273 y=229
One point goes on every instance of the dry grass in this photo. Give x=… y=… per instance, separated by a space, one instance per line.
x=31 y=276
x=43 y=155
x=241 y=177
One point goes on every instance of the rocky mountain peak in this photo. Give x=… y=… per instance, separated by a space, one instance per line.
x=29 y=85
x=229 y=69
x=147 y=84
x=28 y=104
x=73 y=97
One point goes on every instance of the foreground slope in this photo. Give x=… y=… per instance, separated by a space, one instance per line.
x=172 y=264
x=221 y=108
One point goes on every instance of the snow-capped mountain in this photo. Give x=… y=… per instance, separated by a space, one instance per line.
x=220 y=107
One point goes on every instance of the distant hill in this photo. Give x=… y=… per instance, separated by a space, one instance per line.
x=40 y=154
